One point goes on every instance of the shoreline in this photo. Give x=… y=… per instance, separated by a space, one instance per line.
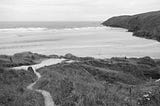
x=142 y=25
x=29 y=58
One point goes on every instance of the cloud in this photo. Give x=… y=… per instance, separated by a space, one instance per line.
x=72 y=10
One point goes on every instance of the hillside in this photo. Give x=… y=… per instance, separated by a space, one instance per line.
x=83 y=81
x=102 y=82
x=13 y=91
x=13 y=83
x=145 y=25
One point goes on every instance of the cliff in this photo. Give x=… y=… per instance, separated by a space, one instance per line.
x=145 y=25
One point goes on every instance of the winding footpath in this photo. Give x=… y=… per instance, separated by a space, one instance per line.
x=47 y=96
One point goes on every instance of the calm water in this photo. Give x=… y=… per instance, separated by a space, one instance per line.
x=78 y=38
x=48 y=25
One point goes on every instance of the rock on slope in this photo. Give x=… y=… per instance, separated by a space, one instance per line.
x=145 y=25
x=19 y=59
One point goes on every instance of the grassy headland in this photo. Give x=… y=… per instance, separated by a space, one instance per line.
x=145 y=25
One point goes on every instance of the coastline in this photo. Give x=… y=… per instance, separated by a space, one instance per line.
x=145 y=25
x=72 y=53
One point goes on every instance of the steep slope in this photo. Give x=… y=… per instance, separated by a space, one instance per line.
x=145 y=25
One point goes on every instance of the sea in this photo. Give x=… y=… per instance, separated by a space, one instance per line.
x=78 y=38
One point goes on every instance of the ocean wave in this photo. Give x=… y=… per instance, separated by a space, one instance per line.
x=11 y=47
x=23 y=29
x=84 y=28
x=31 y=29
x=30 y=41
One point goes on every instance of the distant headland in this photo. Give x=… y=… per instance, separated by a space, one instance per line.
x=145 y=25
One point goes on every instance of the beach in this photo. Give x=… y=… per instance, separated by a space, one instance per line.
x=78 y=66
x=92 y=40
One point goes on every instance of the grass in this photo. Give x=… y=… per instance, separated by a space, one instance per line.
x=13 y=90
x=102 y=82
x=86 y=82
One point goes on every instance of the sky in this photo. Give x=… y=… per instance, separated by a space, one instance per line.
x=72 y=10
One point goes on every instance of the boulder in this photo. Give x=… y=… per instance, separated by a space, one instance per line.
x=70 y=56
x=147 y=61
x=30 y=69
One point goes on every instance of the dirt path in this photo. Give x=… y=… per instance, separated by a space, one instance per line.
x=47 y=96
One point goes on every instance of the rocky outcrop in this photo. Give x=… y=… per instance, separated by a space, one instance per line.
x=30 y=69
x=145 y=25
x=19 y=59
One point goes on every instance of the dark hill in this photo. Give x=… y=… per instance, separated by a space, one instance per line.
x=145 y=25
